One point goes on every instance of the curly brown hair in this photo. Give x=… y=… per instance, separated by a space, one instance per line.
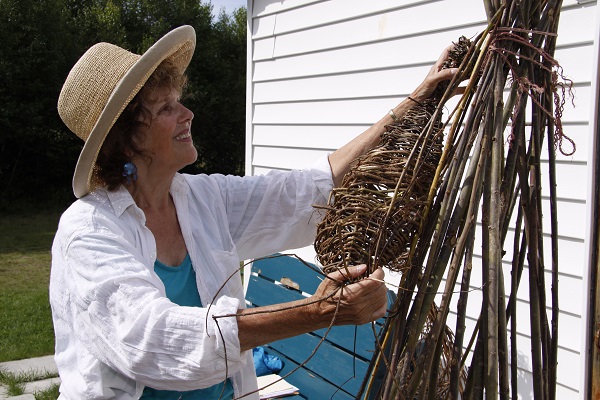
x=120 y=143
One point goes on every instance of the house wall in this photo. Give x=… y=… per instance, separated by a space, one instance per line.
x=321 y=72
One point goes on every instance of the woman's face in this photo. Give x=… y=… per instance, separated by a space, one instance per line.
x=168 y=137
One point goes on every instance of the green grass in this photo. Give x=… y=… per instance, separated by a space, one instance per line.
x=25 y=320
x=51 y=393
x=14 y=384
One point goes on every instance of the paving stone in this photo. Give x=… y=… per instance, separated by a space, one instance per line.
x=38 y=364
x=26 y=396
x=38 y=386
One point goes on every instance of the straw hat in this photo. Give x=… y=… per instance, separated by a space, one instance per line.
x=102 y=83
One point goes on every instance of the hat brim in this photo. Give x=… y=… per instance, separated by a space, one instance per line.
x=178 y=44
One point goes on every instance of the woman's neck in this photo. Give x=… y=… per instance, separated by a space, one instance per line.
x=151 y=192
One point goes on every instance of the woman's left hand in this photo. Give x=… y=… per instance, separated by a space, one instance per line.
x=356 y=303
x=335 y=301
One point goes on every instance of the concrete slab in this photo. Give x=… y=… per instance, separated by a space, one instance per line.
x=39 y=364
x=38 y=386
x=26 y=396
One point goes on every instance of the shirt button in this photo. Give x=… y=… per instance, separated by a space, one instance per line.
x=153 y=255
x=220 y=365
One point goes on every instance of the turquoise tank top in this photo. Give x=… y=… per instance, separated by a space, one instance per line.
x=180 y=284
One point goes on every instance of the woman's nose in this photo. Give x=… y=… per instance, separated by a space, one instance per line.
x=186 y=113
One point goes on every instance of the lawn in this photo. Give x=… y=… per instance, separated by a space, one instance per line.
x=25 y=320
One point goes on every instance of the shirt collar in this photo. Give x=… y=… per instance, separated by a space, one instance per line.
x=178 y=185
x=121 y=199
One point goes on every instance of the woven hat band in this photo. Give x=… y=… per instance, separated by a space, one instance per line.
x=90 y=84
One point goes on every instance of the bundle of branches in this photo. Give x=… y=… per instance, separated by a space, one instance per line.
x=373 y=217
x=516 y=80
x=444 y=376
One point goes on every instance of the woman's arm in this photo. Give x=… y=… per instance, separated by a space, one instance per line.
x=359 y=303
x=341 y=160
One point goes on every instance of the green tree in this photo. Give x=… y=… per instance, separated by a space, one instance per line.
x=42 y=39
x=218 y=95
x=34 y=52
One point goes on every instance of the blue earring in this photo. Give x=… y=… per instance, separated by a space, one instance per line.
x=130 y=173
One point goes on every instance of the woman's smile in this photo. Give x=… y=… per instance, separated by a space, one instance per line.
x=184 y=136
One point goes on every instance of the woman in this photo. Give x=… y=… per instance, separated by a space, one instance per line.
x=144 y=250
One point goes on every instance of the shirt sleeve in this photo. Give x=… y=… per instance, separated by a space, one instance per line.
x=275 y=212
x=118 y=312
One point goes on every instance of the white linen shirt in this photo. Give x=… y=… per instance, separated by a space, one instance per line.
x=115 y=329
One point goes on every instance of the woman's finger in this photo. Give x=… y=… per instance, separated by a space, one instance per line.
x=345 y=274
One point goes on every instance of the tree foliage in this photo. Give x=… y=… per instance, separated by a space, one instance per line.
x=41 y=41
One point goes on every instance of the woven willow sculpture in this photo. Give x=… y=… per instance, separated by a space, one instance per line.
x=444 y=375
x=491 y=171
x=373 y=217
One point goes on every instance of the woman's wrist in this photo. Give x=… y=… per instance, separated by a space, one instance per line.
x=395 y=114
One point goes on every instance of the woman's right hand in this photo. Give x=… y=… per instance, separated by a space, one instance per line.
x=435 y=75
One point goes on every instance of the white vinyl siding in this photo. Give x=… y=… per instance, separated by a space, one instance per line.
x=321 y=72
